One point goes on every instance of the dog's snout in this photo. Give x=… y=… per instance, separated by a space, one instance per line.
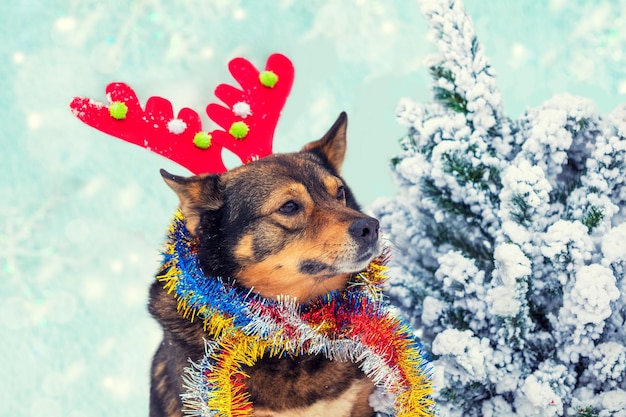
x=364 y=230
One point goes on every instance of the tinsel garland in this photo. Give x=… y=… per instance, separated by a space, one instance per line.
x=353 y=325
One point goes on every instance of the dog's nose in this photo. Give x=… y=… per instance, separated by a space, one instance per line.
x=364 y=230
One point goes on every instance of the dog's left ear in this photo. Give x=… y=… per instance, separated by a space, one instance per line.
x=197 y=194
x=332 y=146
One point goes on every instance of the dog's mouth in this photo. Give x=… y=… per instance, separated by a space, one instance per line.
x=365 y=257
x=313 y=267
x=350 y=261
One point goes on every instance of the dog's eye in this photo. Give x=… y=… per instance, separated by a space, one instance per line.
x=290 y=207
x=341 y=193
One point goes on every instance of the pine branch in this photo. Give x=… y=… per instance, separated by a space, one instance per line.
x=615 y=163
x=450 y=99
x=592 y=218
x=578 y=126
x=466 y=172
x=521 y=212
x=466 y=396
x=516 y=329
x=460 y=238
x=461 y=54
x=475 y=47
x=457 y=318
x=442 y=198
x=408 y=145
x=587 y=412
x=564 y=188
x=438 y=72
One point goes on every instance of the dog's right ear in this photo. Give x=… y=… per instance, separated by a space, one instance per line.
x=332 y=146
x=196 y=195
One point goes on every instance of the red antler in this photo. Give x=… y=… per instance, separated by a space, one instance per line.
x=149 y=128
x=249 y=120
x=265 y=100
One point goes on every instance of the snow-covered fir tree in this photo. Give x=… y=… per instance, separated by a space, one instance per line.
x=509 y=240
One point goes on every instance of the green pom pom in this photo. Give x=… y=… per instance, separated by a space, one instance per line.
x=268 y=78
x=118 y=110
x=202 y=140
x=239 y=130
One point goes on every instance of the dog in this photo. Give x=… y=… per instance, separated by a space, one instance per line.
x=286 y=224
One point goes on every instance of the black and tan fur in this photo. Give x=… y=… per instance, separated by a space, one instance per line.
x=286 y=224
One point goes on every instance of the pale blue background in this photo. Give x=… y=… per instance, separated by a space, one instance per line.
x=83 y=214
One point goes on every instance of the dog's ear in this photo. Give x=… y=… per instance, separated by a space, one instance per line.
x=332 y=146
x=196 y=195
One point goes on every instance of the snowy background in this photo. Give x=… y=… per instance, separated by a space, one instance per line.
x=84 y=214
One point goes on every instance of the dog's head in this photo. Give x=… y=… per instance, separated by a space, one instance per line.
x=283 y=225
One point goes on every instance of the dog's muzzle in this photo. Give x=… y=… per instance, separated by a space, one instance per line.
x=364 y=231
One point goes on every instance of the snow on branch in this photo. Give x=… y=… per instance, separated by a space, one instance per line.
x=464 y=80
x=510 y=240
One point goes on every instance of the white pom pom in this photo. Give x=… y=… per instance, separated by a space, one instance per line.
x=176 y=126
x=242 y=109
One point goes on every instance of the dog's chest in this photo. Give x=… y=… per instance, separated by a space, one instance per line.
x=341 y=406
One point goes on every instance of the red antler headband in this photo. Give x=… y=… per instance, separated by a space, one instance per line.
x=247 y=121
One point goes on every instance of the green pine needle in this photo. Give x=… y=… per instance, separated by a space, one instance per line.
x=450 y=99
x=521 y=211
x=587 y=412
x=441 y=72
x=465 y=397
x=448 y=394
x=565 y=188
x=463 y=170
x=593 y=218
x=457 y=237
x=456 y=318
x=443 y=199
x=578 y=126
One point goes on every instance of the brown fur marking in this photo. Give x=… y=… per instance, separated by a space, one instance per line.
x=293 y=191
